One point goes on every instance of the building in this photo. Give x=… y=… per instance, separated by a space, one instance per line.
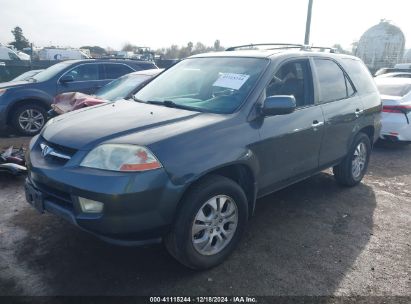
x=381 y=46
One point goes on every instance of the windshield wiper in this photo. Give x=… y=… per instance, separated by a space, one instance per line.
x=167 y=103
x=171 y=104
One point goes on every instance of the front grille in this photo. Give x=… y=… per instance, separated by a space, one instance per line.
x=59 y=154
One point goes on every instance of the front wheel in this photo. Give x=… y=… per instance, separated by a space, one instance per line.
x=29 y=119
x=210 y=223
x=352 y=169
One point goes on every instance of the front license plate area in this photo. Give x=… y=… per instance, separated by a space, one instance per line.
x=35 y=198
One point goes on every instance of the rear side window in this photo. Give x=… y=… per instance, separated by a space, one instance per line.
x=360 y=75
x=85 y=72
x=114 y=71
x=333 y=83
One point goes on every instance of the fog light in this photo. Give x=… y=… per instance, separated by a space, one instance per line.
x=90 y=206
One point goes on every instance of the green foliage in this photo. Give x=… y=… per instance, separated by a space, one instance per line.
x=20 y=42
x=176 y=52
x=95 y=49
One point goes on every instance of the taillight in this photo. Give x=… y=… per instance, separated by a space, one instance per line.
x=397 y=109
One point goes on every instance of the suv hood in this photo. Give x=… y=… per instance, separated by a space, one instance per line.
x=11 y=84
x=85 y=128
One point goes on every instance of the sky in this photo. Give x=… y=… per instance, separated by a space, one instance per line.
x=160 y=23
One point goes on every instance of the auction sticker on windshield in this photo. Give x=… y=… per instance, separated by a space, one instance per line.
x=231 y=80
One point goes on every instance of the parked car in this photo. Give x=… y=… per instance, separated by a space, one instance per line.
x=121 y=88
x=400 y=69
x=27 y=75
x=186 y=161
x=24 y=104
x=396 y=98
x=396 y=75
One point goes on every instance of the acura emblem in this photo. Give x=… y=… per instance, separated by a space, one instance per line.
x=45 y=150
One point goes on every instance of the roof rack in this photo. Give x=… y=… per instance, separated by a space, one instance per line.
x=280 y=46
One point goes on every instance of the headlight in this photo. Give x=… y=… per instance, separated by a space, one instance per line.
x=2 y=91
x=121 y=157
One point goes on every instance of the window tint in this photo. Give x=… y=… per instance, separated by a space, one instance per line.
x=331 y=79
x=84 y=72
x=293 y=78
x=114 y=71
x=359 y=74
x=13 y=56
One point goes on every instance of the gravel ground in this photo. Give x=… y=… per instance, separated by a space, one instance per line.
x=313 y=238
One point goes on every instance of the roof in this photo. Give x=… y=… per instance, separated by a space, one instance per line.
x=102 y=60
x=271 y=54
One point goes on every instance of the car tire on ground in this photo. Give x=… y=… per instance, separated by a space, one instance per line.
x=354 y=166
x=29 y=119
x=212 y=217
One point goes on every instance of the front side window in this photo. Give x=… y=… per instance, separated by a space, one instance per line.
x=217 y=84
x=332 y=80
x=293 y=78
x=84 y=72
x=114 y=71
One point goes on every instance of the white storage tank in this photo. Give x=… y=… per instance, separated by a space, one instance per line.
x=407 y=56
x=381 y=46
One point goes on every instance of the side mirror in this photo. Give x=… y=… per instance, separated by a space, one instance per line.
x=66 y=78
x=278 y=105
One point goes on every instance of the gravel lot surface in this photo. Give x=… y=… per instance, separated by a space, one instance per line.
x=313 y=238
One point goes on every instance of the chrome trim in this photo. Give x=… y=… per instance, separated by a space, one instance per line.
x=47 y=150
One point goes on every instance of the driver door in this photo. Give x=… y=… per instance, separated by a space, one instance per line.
x=290 y=144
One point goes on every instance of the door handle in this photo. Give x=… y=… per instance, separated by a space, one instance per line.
x=358 y=112
x=317 y=124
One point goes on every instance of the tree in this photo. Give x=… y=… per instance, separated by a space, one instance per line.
x=95 y=50
x=217 y=46
x=340 y=49
x=20 y=42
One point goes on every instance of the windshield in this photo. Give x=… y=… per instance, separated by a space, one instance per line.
x=51 y=71
x=218 y=84
x=26 y=75
x=121 y=87
x=394 y=89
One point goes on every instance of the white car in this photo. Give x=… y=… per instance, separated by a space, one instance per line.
x=396 y=115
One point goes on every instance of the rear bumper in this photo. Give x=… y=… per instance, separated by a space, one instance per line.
x=395 y=126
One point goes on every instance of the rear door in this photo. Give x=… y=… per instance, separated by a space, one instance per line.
x=342 y=108
x=116 y=70
x=86 y=79
x=290 y=144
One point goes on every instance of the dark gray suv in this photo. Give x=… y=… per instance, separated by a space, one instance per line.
x=186 y=160
x=24 y=104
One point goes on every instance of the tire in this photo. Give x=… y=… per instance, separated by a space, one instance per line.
x=29 y=119
x=180 y=241
x=347 y=173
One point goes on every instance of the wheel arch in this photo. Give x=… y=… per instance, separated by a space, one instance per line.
x=240 y=173
x=18 y=103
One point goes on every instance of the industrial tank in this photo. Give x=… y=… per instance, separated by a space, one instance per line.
x=407 y=56
x=381 y=46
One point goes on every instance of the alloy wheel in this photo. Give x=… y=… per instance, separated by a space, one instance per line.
x=214 y=225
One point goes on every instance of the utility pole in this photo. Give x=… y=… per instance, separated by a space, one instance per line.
x=308 y=24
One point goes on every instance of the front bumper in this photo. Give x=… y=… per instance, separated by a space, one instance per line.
x=3 y=117
x=138 y=207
